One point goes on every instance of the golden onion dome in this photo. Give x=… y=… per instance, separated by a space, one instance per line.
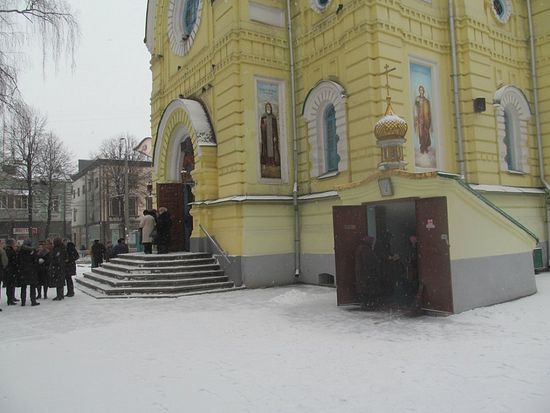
x=390 y=126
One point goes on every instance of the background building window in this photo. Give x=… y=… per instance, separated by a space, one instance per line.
x=20 y=201
x=115 y=207
x=132 y=207
x=55 y=204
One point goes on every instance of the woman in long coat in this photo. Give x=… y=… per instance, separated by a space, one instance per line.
x=57 y=267
x=28 y=271
x=43 y=255
x=70 y=267
x=11 y=273
x=147 y=226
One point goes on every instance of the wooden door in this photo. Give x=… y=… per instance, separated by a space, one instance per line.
x=434 y=263
x=350 y=225
x=171 y=197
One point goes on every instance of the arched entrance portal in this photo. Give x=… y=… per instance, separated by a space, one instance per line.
x=184 y=136
x=178 y=197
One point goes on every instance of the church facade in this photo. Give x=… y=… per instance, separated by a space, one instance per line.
x=263 y=123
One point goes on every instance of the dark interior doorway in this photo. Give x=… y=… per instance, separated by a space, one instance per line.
x=393 y=254
x=178 y=198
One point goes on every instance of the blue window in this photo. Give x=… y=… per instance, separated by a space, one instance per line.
x=331 y=139
x=190 y=15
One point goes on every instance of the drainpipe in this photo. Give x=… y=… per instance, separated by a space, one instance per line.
x=537 y=116
x=454 y=75
x=294 y=145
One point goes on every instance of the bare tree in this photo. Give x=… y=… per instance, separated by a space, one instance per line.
x=21 y=21
x=54 y=170
x=119 y=149
x=25 y=135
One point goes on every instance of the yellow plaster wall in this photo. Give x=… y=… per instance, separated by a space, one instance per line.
x=529 y=209
x=475 y=229
x=350 y=48
x=249 y=229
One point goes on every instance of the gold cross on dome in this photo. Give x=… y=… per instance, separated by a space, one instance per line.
x=387 y=73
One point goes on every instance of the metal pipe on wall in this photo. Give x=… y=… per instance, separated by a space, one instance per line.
x=456 y=94
x=294 y=145
x=537 y=117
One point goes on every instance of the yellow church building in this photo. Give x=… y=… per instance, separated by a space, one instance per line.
x=263 y=118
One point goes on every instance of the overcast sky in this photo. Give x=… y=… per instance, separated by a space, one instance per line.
x=108 y=92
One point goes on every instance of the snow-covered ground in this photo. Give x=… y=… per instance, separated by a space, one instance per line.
x=272 y=350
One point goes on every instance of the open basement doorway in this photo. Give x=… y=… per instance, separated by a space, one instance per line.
x=394 y=254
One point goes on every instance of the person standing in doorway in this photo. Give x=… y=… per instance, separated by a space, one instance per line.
x=367 y=278
x=147 y=225
x=164 y=224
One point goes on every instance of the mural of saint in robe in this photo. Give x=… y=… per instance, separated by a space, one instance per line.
x=270 y=157
x=426 y=139
x=271 y=130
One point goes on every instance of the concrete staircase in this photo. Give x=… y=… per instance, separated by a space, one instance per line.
x=138 y=275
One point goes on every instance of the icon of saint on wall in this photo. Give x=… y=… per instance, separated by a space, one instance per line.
x=422 y=120
x=270 y=157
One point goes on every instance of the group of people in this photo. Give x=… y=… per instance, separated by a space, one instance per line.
x=383 y=277
x=155 y=229
x=51 y=264
x=100 y=253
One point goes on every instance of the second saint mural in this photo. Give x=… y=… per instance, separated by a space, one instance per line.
x=270 y=128
x=425 y=140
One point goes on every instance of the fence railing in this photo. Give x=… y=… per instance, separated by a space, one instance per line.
x=215 y=244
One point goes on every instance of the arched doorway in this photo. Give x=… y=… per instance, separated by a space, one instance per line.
x=184 y=139
x=178 y=197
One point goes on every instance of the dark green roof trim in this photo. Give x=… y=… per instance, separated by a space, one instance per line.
x=479 y=196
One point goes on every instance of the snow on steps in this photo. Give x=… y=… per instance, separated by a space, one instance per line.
x=138 y=275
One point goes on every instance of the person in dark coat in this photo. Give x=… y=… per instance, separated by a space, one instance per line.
x=11 y=273
x=27 y=258
x=108 y=251
x=164 y=224
x=70 y=267
x=43 y=255
x=367 y=274
x=57 y=267
x=3 y=263
x=120 y=248
x=390 y=265
x=98 y=253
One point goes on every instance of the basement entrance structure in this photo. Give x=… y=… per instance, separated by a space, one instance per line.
x=411 y=246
